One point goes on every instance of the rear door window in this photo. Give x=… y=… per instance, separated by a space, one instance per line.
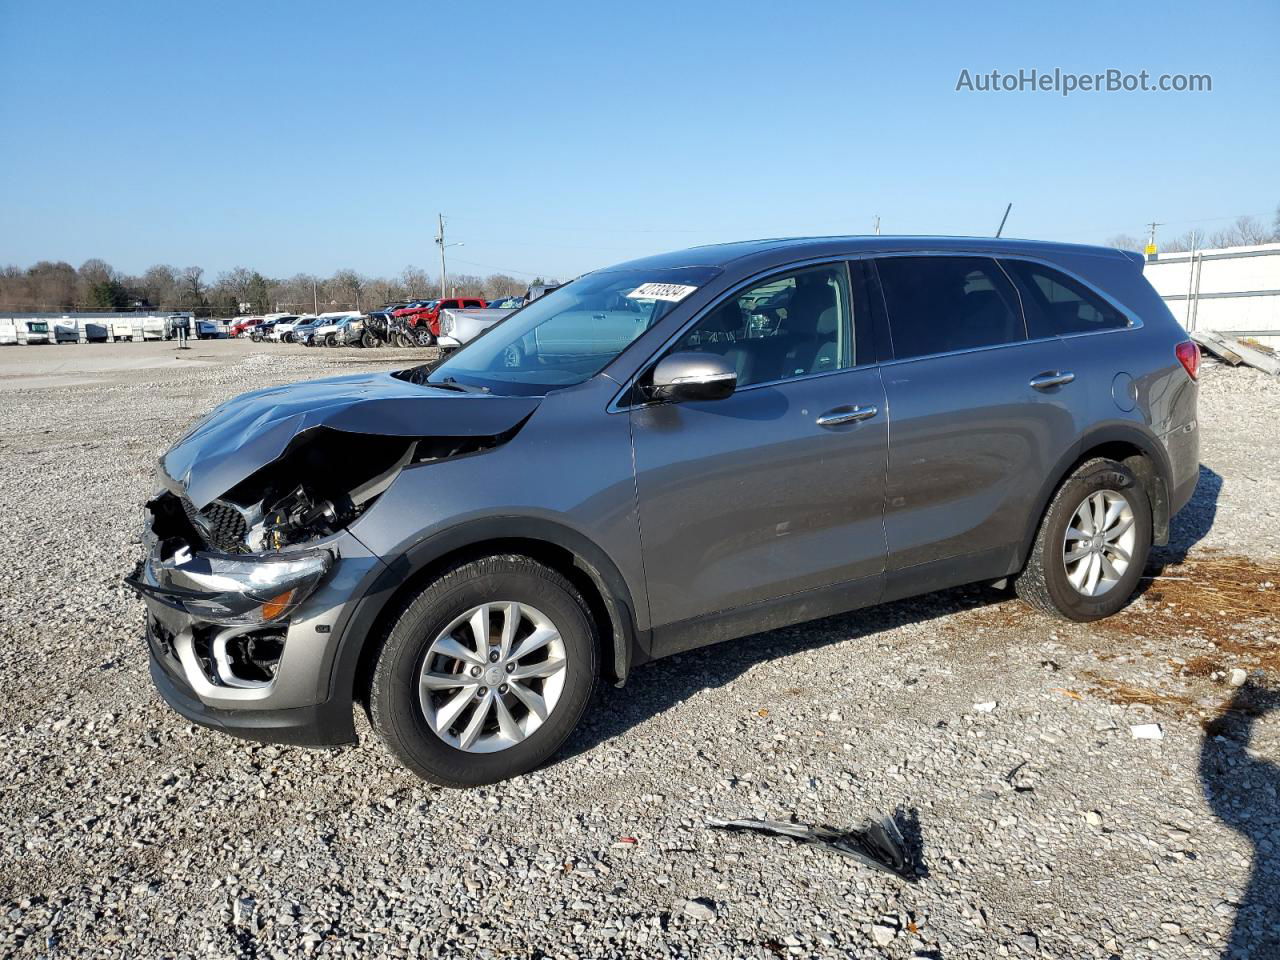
x=945 y=304
x=1057 y=305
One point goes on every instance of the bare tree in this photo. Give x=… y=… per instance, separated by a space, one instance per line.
x=417 y=282
x=1125 y=241
x=235 y=281
x=296 y=294
x=380 y=290
x=159 y=285
x=345 y=288
x=1246 y=231
x=49 y=285
x=498 y=285
x=466 y=285
x=191 y=288
x=1195 y=239
x=96 y=276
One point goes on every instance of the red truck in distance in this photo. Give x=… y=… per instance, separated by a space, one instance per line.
x=430 y=314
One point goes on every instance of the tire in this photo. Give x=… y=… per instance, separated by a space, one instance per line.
x=368 y=340
x=330 y=340
x=423 y=337
x=1046 y=581
x=399 y=715
x=403 y=340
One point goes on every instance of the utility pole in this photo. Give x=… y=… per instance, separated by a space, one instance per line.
x=315 y=298
x=877 y=224
x=1151 y=238
x=440 y=244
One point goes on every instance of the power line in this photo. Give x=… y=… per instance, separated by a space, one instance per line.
x=487 y=266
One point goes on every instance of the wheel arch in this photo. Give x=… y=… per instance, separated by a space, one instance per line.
x=1141 y=452
x=571 y=553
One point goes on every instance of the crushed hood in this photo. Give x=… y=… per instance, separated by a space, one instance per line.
x=247 y=433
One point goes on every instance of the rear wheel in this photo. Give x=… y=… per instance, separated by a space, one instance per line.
x=1092 y=545
x=330 y=340
x=368 y=340
x=485 y=673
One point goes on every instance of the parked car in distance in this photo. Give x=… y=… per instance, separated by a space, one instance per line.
x=243 y=327
x=430 y=314
x=302 y=333
x=537 y=290
x=212 y=329
x=32 y=331
x=263 y=331
x=462 y=326
x=349 y=332
x=411 y=311
x=778 y=430
x=282 y=330
x=259 y=331
x=323 y=333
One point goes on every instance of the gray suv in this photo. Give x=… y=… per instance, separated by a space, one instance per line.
x=668 y=453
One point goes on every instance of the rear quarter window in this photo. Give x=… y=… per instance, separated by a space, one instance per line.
x=1056 y=304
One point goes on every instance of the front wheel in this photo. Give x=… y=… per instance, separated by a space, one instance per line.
x=1092 y=545
x=485 y=673
x=368 y=340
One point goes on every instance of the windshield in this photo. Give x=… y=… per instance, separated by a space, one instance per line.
x=570 y=335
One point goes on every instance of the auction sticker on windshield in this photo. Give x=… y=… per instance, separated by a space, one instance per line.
x=675 y=292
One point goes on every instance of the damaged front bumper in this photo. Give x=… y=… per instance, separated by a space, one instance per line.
x=246 y=644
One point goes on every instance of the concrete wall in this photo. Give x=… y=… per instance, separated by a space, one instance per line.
x=1225 y=290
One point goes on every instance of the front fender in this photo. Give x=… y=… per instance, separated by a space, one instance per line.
x=381 y=590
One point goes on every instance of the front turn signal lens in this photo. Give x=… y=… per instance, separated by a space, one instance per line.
x=277 y=605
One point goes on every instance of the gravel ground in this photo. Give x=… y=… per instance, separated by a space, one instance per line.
x=1002 y=739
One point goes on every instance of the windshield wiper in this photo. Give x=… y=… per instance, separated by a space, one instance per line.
x=449 y=383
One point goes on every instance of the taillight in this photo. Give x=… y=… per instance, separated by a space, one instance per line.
x=1189 y=356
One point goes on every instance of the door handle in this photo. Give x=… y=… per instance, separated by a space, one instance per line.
x=1049 y=380
x=852 y=414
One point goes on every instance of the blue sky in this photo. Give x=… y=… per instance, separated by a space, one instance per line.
x=314 y=136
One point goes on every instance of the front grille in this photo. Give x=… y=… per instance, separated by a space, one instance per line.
x=223 y=525
x=226 y=526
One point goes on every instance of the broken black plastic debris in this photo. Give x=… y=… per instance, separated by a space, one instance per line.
x=878 y=844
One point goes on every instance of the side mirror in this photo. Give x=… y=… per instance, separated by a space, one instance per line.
x=693 y=376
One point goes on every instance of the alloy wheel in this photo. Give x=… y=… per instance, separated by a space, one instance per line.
x=492 y=676
x=1099 y=543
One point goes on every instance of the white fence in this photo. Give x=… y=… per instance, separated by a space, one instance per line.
x=1233 y=290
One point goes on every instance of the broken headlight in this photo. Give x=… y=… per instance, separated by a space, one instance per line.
x=234 y=591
